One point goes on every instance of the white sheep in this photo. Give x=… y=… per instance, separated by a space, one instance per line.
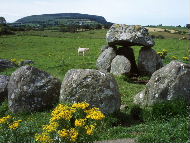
x=82 y=50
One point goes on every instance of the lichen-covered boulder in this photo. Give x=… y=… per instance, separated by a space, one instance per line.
x=3 y=87
x=120 y=65
x=128 y=35
x=148 y=61
x=104 y=60
x=168 y=83
x=95 y=87
x=4 y=64
x=31 y=89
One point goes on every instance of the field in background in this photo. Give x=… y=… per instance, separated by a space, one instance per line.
x=56 y=53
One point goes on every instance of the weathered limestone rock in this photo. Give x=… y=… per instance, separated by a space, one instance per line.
x=4 y=64
x=168 y=83
x=95 y=87
x=3 y=87
x=31 y=89
x=149 y=61
x=129 y=54
x=105 y=59
x=128 y=35
x=26 y=62
x=120 y=65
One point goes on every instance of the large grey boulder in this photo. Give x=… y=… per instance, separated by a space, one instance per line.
x=4 y=64
x=120 y=65
x=104 y=60
x=148 y=61
x=168 y=83
x=95 y=87
x=3 y=87
x=128 y=35
x=31 y=89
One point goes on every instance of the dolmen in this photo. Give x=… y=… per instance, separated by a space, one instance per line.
x=118 y=56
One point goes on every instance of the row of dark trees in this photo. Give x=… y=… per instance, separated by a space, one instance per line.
x=75 y=28
x=4 y=28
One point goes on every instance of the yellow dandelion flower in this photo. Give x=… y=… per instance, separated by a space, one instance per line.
x=5 y=119
x=15 y=124
x=82 y=105
x=43 y=137
x=73 y=134
x=63 y=133
x=51 y=127
x=90 y=129
x=80 y=122
x=95 y=114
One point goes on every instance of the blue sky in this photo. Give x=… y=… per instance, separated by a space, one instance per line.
x=143 y=12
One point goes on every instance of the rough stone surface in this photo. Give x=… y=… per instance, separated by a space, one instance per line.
x=4 y=64
x=95 y=87
x=31 y=89
x=129 y=54
x=120 y=65
x=26 y=62
x=168 y=83
x=104 y=47
x=3 y=87
x=149 y=61
x=128 y=35
x=105 y=59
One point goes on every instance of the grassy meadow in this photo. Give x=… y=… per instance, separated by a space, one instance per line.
x=56 y=53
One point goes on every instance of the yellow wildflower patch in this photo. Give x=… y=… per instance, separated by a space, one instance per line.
x=82 y=105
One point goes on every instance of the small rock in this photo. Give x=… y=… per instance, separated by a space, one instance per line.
x=3 y=87
x=4 y=64
x=120 y=65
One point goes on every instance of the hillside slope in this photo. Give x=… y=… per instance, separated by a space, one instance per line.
x=63 y=18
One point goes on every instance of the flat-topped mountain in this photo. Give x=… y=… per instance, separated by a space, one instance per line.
x=63 y=18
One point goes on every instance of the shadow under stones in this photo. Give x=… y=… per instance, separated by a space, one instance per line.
x=128 y=117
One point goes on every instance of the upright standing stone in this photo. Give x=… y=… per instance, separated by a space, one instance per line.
x=105 y=59
x=149 y=61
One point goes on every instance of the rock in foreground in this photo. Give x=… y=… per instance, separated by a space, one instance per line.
x=168 y=83
x=95 y=87
x=31 y=89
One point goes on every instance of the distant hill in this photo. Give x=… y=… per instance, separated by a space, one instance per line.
x=63 y=18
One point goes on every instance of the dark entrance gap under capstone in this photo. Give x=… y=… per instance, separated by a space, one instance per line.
x=128 y=52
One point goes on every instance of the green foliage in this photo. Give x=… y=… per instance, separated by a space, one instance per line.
x=5 y=30
x=168 y=109
x=3 y=108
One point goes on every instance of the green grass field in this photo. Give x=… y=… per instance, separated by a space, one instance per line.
x=56 y=53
